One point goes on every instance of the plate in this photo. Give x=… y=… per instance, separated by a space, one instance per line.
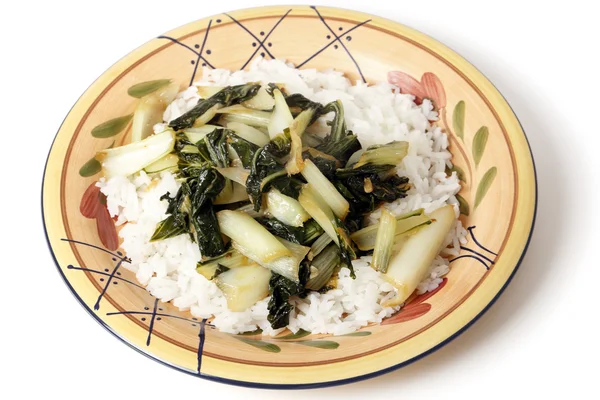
x=490 y=151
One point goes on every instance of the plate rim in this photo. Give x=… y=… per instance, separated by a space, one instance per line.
x=328 y=383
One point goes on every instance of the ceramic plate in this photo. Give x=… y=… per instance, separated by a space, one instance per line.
x=489 y=148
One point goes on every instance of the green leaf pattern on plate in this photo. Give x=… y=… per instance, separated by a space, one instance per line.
x=463 y=206
x=259 y=344
x=145 y=88
x=479 y=142
x=358 y=334
x=458 y=119
x=90 y=168
x=111 y=127
x=300 y=334
x=321 y=344
x=484 y=185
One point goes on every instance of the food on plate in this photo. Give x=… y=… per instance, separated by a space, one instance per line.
x=280 y=198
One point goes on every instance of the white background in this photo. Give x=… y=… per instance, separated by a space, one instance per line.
x=540 y=338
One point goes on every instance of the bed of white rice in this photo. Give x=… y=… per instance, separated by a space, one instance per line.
x=377 y=114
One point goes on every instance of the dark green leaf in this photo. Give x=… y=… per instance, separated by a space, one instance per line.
x=228 y=96
x=484 y=185
x=281 y=290
x=341 y=149
x=321 y=344
x=463 y=206
x=278 y=228
x=259 y=344
x=358 y=334
x=458 y=119
x=170 y=227
x=111 y=127
x=312 y=230
x=300 y=334
x=91 y=167
x=142 y=89
x=244 y=149
x=479 y=142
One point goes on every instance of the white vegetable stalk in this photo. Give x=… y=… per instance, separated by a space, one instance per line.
x=325 y=189
x=233 y=193
x=248 y=133
x=207 y=116
x=207 y=91
x=167 y=163
x=236 y=174
x=251 y=235
x=243 y=287
x=409 y=266
x=287 y=266
x=365 y=238
x=286 y=209
x=282 y=116
x=248 y=116
x=149 y=111
x=261 y=101
x=195 y=135
x=296 y=163
x=314 y=205
x=384 y=241
x=131 y=158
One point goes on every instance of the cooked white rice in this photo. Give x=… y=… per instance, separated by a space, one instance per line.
x=377 y=114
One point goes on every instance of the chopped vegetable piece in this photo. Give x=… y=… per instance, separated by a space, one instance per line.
x=249 y=133
x=312 y=231
x=194 y=135
x=282 y=117
x=252 y=236
x=366 y=237
x=325 y=263
x=319 y=245
x=410 y=264
x=149 y=111
x=384 y=241
x=167 y=163
x=281 y=290
x=314 y=204
x=326 y=189
x=249 y=209
x=248 y=116
x=261 y=101
x=287 y=266
x=285 y=208
x=383 y=154
x=131 y=158
x=316 y=207
x=243 y=287
x=239 y=175
x=281 y=230
x=207 y=91
x=233 y=193
x=224 y=98
x=295 y=163
x=231 y=259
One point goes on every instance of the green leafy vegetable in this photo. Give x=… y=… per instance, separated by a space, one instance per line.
x=281 y=290
x=384 y=241
x=224 y=98
x=324 y=265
